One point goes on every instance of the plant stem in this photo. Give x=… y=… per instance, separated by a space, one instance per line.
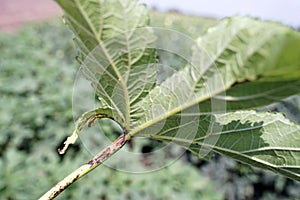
x=86 y=168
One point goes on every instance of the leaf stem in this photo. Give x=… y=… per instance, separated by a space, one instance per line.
x=86 y=168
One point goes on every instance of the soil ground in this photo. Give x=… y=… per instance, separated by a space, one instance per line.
x=14 y=13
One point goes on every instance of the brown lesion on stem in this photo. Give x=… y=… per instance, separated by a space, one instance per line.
x=62 y=188
x=111 y=149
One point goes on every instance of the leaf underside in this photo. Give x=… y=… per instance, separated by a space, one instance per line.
x=203 y=104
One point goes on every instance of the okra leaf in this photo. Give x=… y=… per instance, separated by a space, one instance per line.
x=245 y=58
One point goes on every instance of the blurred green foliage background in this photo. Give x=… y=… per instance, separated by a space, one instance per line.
x=38 y=69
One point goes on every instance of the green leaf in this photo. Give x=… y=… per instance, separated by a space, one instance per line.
x=255 y=94
x=113 y=51
x=119 y=59
x=258 y=61
x=264 y=140
x=95 y=21
x=244 y=50
x=191 y=26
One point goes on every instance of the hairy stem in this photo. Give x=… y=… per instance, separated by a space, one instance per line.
x=86 y=168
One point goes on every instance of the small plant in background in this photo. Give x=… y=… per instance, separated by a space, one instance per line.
x=199 y=95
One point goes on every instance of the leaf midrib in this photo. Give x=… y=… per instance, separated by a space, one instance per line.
x=216 y=56
x=119 y=76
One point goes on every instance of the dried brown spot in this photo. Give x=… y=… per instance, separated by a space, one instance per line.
x=118 y=143
x=62 y=188
x=93 y=118
x=101 y=157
